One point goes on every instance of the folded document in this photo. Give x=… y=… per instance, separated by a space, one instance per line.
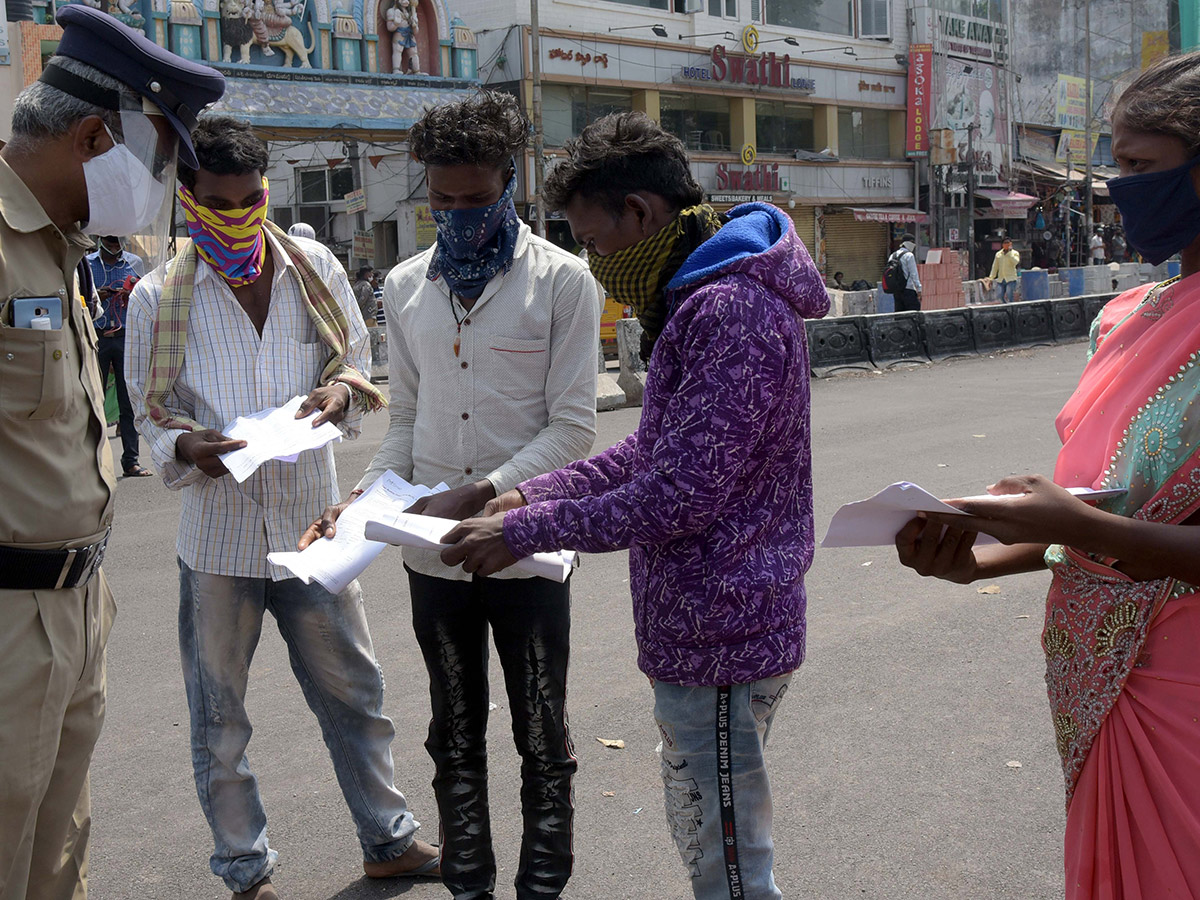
x=874 y=522
x=335 y=562
x=274 y=434
x=426 y=533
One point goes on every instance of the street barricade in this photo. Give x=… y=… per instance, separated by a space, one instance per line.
x=948 y=333
x=1031 y=323
x=894 y=339
x=992 y=327
x=838 y=343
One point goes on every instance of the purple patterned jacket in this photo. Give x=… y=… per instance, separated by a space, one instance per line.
x=713 y=492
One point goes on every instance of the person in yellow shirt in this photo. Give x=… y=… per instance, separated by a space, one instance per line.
x=1004 y=270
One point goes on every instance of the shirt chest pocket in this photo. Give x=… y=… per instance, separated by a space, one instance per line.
x=515 y=367
x=35 y=370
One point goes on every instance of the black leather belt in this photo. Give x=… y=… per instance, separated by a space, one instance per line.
x=47 y=570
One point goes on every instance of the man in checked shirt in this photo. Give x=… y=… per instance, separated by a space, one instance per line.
x=265 y=318
x=493 y=335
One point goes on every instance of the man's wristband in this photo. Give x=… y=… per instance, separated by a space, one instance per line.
x=349 y=392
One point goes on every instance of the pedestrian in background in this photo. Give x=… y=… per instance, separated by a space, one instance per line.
x=1123 y=613
x=1005 y=270
x=1097 y=248
x=364 y=294
x=909 y=297
x=90 y=144
x=712 y=495
x=114 y=273
x=246 y=318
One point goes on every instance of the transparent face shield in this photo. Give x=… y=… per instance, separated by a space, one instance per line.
x=151 y=140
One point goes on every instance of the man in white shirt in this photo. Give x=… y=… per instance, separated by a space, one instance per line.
x=1097 y=245
x=264 y=318
x=492 y=337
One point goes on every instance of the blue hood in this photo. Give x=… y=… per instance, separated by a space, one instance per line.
x=758 y=240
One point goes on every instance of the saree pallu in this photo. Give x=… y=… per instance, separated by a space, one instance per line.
x=1122 y=673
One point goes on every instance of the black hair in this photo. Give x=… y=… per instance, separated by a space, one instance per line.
x=1164 y=100
x=225 y=146
x=838 y=274
x=486 y=129
x=364 y=273
x=618 y=155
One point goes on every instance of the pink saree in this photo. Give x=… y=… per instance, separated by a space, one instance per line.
x=1123 y=657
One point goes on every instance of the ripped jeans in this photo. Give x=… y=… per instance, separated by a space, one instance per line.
x=220 y=620
x=717 y=794
x=530 y=622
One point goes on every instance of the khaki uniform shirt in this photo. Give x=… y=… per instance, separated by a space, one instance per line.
x=57 y=479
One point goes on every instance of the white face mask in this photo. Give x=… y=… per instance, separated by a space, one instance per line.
x=123 y=197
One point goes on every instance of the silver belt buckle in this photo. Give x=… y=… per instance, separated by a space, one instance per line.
x=66 y=568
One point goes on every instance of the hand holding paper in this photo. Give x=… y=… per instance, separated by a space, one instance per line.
x=426 y=532
x=874 y=522
x=274 y=434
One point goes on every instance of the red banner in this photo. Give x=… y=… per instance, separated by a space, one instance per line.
x=920 y=107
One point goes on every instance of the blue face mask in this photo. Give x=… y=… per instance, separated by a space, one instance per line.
x=1160 y=210
x=474 y=245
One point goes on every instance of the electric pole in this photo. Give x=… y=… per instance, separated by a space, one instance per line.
x=539 y=143
x=360 y=220
x=1087 y=138
x=971 y=199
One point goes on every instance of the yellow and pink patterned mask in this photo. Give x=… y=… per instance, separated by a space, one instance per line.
x=232 y=241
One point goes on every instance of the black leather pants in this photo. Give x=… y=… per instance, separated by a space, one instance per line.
x=530 y=623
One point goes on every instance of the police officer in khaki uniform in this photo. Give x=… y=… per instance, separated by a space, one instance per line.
x=94 y=144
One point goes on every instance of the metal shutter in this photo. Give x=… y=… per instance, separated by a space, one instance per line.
x=857 y=249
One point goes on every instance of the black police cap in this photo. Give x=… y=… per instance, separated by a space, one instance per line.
x=179 y=87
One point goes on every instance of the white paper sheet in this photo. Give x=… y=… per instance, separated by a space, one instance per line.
x=335 y=562
x=875 y=521
x=426 y=532
x=274 y=434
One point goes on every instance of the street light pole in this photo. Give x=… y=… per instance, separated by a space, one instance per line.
x=539 y=142
x=1087 y=138
x=971 y=199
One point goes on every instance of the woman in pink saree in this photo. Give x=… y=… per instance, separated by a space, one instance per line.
x=1122 y=631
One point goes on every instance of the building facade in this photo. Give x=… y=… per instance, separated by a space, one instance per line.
x=798 y=102
x=332 y=85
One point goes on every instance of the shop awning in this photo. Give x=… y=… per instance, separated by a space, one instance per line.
x=1053 y=172
x=897 y=214
x=1007 y=202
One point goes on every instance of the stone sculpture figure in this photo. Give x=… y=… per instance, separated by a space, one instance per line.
x=403 y=22
x=267 y=23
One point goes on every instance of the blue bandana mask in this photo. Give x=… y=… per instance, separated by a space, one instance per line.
x=474 y=245
x=1159 y=210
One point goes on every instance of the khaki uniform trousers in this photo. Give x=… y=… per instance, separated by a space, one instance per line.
x=51 y=709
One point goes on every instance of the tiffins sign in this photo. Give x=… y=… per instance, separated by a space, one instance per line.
x=767 y=70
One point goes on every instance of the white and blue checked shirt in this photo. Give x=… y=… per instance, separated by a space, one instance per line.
x=226 y=528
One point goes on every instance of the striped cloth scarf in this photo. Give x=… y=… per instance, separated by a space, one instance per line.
x=170 y=332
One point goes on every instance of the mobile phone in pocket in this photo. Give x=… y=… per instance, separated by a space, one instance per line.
x=34 y=312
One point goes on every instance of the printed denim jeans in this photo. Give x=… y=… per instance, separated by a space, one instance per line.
x=220 y=621
x=717 y=794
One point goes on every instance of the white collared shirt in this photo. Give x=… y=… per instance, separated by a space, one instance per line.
x=518 y=400
x=226 y=528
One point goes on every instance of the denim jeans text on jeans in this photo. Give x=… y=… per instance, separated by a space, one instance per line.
x=715 y=784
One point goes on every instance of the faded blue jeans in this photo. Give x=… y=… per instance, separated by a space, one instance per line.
x=718 y=796
x=1008 y=291
x=220 y=621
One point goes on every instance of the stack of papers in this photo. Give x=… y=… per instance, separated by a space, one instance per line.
x=335 y=562
x=875 y=521
x=426 y=533
x=274 y=434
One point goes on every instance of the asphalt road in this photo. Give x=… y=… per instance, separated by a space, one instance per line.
x=894 y=759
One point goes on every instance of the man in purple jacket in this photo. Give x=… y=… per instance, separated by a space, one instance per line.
x=713 y=492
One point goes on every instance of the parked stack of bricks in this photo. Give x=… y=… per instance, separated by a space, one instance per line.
x=942 y=283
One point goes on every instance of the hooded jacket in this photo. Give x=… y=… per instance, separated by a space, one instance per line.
x=713 y=492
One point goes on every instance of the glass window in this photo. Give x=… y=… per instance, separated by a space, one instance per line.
x=830 y=16
x=283 y=216
x=873 y=19
x=783 y=127
x=726 y=8
x=341 y=182
x=568 y=109
x=700 y=121
x=646 y=4
x=313 y=186
x=863 y=134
